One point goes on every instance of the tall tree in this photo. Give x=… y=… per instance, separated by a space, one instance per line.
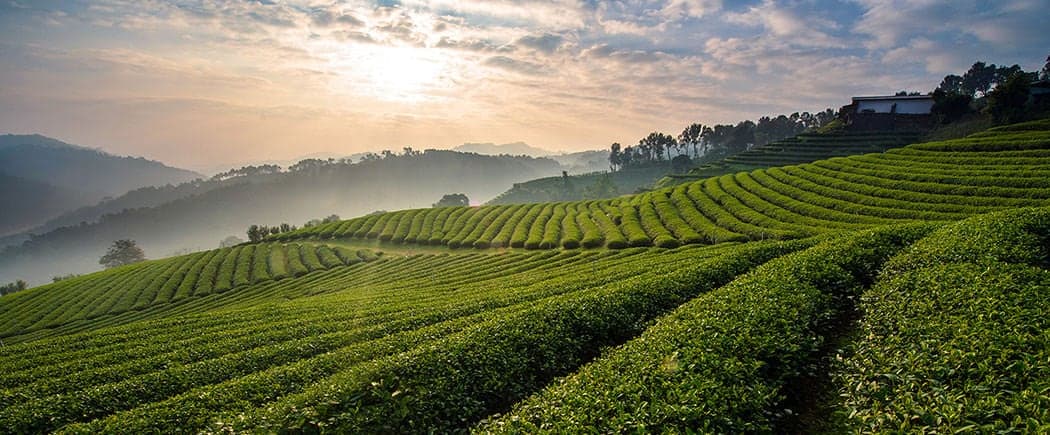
x=691 y=137
x=122 y=252
x=1006 y=102
x=453 y=200
x=979 y=78
x=13 y=287
x=615 y=156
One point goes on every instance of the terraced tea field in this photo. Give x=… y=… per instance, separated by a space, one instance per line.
x=897 y=291
x=938 y=181
x=804 y=148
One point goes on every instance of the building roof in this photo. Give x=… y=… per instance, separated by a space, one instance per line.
x=894 y=97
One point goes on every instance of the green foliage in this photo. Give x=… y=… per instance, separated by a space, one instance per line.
x=294 y=256
x=416 y=226
x=489 y=365
x=453 y=200
x=524 y=226
x=404 y=225
x=552 y=232
x=632 y=226
x=592 y=234
x=1006 y=103
x=14 y=287
x=492 y=225
x=614 y=239
x=121 y=253
x=224 y=277
x=388 y=226
x=953 y=337
x=650 y=220
x=260 y=263
x=721 y=362
x=317 y=336
x=571 y=233
x=537 y=227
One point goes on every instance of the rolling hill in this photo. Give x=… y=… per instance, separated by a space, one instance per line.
x=900 y=291
x=197 y=215
x=804 y=148
x=27 y=202
x=78 y=177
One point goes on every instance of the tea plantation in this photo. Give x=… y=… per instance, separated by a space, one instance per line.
x=901 y=291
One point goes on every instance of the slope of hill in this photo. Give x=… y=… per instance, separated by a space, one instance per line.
x=804 y=148
x=51 y=161
x=510 y=149
x=599 y=184
x=300 y=333
x=29 y=202
x=933 y=181
x=92 y=174
x=213 y=211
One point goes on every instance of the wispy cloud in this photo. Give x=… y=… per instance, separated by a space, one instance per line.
x=189 y=80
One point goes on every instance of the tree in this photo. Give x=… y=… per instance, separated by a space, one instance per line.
x=615 y=158
x=230 y=241
x=979 y=78
x=58 y=278
x=122 y=252
x=950 y=106
x=1045 y=73
x=258 y=232
x=681 y=163
x=453 y=200
x=13 y=287
x=1006 y=102
x=691 y=136
x=952 y=84
x=655 y=144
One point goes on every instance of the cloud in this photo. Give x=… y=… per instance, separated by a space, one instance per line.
x=326 y=17
x=587 y=72
x=786 y=25
x=951 y=35
x=681 y=9
x=514 y=65
x=546 y=43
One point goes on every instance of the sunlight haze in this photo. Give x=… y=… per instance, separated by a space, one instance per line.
x=211 y=84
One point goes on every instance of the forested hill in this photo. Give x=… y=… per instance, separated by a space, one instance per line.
x=79 y=176
x=311 y=189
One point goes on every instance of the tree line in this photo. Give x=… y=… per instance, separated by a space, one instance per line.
x=1002 y=92
x=258 y=232
x=714 y=141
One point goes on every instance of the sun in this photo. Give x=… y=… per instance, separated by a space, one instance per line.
x=406 y=74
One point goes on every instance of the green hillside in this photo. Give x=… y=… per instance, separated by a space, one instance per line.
x=582 y=186
x=898 y=291
x=804 y=148
x=935 y=181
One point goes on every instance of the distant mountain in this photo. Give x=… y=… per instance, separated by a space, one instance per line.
x=583 y=162
x=513 y=149
x=40 y=158
x=207 y=211
x=29 y=202
x=45 y=177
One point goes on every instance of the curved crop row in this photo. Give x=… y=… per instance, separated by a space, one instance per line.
x=954 y=333
x=722 y=362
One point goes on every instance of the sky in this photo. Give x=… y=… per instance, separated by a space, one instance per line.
x=207 y=84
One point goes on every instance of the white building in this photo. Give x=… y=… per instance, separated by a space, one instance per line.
x=902 y=104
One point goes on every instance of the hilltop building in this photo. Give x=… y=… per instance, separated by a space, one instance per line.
x=889 y=113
